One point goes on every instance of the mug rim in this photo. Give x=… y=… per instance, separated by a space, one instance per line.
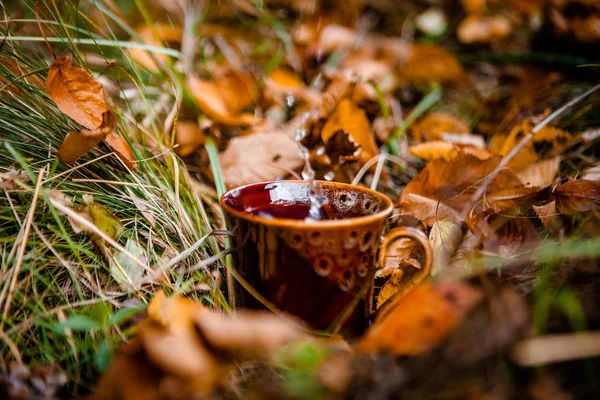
x=302 y=224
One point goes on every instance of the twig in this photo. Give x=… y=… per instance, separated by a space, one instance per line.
x=551 y=349
x=488 y=179
x=23 y=244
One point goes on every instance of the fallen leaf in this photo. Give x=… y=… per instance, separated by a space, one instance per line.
x=474 y=6
x=541 y=173
x=504 y=235
x=548 y=142
x=148 y=35
x=592 y=173
x=551 y=219
x=436 y=150
x=462 y=260
x=445 y=238
x=189 y=137
x=286 y=88
x=483 y=29
x=576 y=196
x=261 y=156
x=519 y=199
x=402 y=252
x=454 y=182
x=435 y=124
x=430 y=63
x=7 y=179
x=390 y=287
x=428 y=211
x=351 y=120
x=421 y=320
x=76 y=145
x=76 y=93
x=125 y=271
x=223 y=97
x=121 y=149
x=586 y=29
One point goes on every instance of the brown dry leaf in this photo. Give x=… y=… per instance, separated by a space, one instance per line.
x=505 y=235
x=426 y=210
x=430 y=63
x=551 y=219
x=586 y=29
x=7 y=179
x=461 y=263
x=445 y=238
x=76 y=93
x=579 y=195
x=76 y=145
x=121 y=149
x=399 y=254
x=148 y=35
x=283 y=86
x=189 y=137
x=391 y=286
x=448 y=151
x=483 y=29
x=422 y=319
x=352 y=121
x=474 y=6
x=592 y=173
x=261 y=156
x=520 y=198
x=224 y=96
x=433 y=125
x=548 y=142
x=454 y=182
x=541 y=173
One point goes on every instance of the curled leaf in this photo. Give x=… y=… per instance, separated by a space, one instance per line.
x=445 y=238
x=76 y=93
x=76 y=145
x=224 y=96
x=121 y=149
x=435 y=124
x=352 y=121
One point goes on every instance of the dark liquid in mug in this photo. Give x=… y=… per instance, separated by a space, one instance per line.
x=292 y=201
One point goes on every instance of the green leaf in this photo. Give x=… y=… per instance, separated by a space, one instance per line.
x=103 y=356
x=125 y=271
x=77 y=323
x=123 y=315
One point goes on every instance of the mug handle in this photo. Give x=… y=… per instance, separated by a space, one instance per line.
x=420 y=277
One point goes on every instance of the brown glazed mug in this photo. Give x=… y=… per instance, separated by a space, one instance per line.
x=321 y=271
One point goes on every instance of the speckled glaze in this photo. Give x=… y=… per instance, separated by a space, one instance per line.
x=311 y=270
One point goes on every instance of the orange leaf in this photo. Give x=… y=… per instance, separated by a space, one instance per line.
x=76 y=93
x=577 y=196
x=76 y=145
x=225 y=95
x=189 y=137
x=435 y=124
x=122 y=149
x=421 y=320
x=149 y=35
x=454 y=182
x=351 y=120
x=518 y=197
x=483 y=29
x=541 y=173
x=430 y=63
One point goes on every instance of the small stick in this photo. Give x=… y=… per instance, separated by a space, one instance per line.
x=551 y=349
x=488 y=179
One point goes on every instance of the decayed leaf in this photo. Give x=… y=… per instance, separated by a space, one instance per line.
x=76 y=145
x=400 y=253
x=551 y=219
x=454 y=182
x=98 y=215
x=126 y=272
x=435 y=124
x=436 y=150
x=520 y=198
x=351 y=120
x=428 y=211
x=421 y=320
x=504 y=235
x=7 y=179
x=541 y=173
x=261 y=156
x=548 y=142
x=189 y=137
x=445 y=238
x=579 y=195
x=121 y=149
x=483 y=29
x=149 y=35
x=430 y=63
x=76 y=93
x=224 y=96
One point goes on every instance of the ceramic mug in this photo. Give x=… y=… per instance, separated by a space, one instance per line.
x=321 y=271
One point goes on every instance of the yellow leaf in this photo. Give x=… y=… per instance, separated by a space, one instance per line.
x=351 y=120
